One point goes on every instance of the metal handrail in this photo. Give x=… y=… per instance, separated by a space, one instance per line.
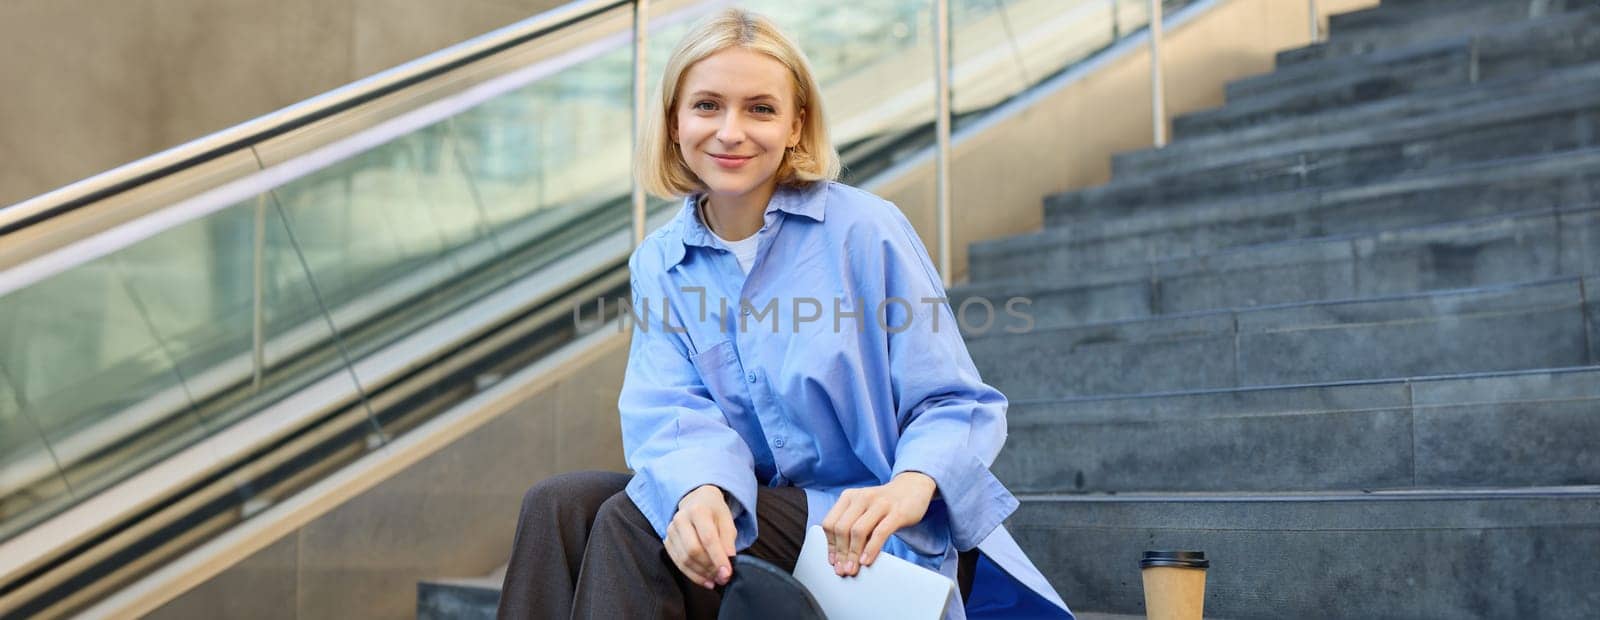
x=126 y=177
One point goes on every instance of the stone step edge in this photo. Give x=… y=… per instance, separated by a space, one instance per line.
x=1353 y=495
x=1391 y=54
x=1184 y=130
x=1365 y=33
x=1386 y=16
x=1437 y=293
x=1269 y=99
x=491 y=581
x=1286 y=98
x=1422 y=129
x=1462 y=376
x=1141 y=272
x=477 y=583
x=1429 y=126
x=1055 y=237
x=1509 y=168
x=1514 y=84
x=1377 y=60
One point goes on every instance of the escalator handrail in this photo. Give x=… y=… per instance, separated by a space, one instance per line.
x=129 y=176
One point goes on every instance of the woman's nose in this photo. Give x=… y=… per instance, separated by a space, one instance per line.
x=730 y=130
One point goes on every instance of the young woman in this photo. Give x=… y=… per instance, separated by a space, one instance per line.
x=794 y=362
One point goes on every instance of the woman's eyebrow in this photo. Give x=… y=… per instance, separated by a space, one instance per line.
x=707 y=93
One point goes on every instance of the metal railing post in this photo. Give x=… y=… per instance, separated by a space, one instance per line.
x=258 y=272
x=641 y=23
x=1158 y=99
x=1316 y=24
x=1116 y=20
x=941 y=47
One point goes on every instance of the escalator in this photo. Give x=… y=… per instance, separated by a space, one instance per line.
x=192 y=338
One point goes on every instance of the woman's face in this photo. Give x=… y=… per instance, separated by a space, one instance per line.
x=735 y=116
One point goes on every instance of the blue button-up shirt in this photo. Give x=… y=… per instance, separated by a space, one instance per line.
x=835 y=363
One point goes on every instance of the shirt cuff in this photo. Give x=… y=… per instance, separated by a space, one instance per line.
x=976 y=501
x=656 y=489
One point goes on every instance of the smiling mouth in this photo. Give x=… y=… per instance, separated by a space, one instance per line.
x=729 y=162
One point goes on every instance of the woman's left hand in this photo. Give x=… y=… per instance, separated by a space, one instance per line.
x=864 y=518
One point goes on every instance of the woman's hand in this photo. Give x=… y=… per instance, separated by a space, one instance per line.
x=701 y=537
x=864 y=519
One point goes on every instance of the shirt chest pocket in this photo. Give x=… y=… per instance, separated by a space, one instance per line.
x=726 y=379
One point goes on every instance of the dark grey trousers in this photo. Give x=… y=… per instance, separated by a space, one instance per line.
x=583 y=550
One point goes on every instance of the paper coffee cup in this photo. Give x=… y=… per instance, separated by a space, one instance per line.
x=1174 y=584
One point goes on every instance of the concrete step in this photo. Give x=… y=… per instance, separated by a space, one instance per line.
x=1102 y=238
x=1521 y=553
x=478 y=598
x=1574 y=80
x=469 y=598
x=1497 y=43
x=1393 y=25
x=1546 y=324
x=1463 y=254
x=1389 y=19
x=1055 y=254
x=1505 y=186
x=1435 y=65
x=1521 y=49
x=1498 y=430
x=1535 y=124
x=1518 y=183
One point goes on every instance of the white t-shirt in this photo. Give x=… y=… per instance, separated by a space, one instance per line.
x=743 y=249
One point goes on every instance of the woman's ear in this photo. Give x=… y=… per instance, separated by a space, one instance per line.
x=798 y=127
x=671 y=122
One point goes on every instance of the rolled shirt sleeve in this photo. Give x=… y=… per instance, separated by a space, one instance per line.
x=674 y=436
x=952 y=424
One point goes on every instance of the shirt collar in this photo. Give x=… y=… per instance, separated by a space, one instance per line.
x=808 y=201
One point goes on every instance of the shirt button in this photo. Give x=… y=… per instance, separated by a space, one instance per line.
x=778 y=442
x=751 y=377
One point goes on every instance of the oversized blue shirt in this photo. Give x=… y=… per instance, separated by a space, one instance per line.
x=835 y=363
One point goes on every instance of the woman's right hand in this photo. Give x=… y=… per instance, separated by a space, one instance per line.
x=701 y=537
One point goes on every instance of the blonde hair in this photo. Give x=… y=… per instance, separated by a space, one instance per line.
x=661 y=168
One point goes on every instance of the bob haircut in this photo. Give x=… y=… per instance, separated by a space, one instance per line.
x=661 y=168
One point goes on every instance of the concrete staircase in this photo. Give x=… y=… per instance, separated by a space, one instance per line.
x=1343 y=334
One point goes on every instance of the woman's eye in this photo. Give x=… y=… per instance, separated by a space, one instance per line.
x=765 y=109
x=705 y=105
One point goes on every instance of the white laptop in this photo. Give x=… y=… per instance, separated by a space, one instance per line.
x=890 y=588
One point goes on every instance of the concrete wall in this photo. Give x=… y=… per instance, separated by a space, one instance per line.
x=1065 y=142
x=93 y=84
x=452 y=514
